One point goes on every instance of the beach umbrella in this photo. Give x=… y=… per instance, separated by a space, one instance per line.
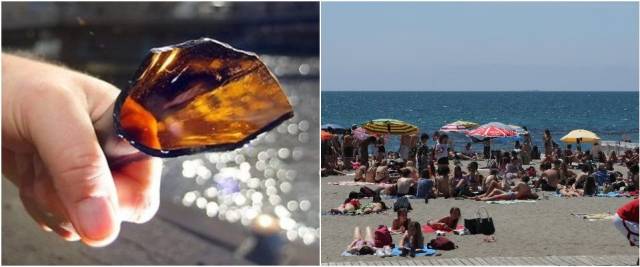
x=336 y=127
x=360 y=134
x=492 y=130
x=459 y=126
x=390 y=126
x=587 y=137
x=324 y=135
x=519 y=130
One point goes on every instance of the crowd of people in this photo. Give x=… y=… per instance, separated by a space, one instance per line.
x=424 y=171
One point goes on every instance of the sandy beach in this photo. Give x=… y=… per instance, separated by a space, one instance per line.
x=543 y=228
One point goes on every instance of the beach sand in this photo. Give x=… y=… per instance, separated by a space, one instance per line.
x=543 y=228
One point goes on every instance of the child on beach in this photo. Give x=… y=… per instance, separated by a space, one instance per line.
x=448 y=223
x=412 y=240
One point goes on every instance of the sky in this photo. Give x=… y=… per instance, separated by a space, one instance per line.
x=495 y=46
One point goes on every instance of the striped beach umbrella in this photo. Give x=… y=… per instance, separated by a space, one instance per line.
x=492 y=130
x=390 y=126
x=584 y=135
x=459 y=126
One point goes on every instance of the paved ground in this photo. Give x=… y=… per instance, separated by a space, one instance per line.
x=544 y=228
x=547 y=260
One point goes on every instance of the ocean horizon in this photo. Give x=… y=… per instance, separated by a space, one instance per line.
x=613 y=115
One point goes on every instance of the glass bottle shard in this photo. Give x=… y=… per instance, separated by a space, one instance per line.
x=200 y=95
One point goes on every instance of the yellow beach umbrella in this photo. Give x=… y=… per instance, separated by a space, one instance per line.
x=586 y=136
x=390 y=126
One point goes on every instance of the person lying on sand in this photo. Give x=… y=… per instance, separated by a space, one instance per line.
x=376 y=206
x=351 y=204
x=448 y=223
x=520 y=191
x=359 y=245
x=412 y=240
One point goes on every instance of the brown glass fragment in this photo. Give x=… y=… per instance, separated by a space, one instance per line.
x=199 y=95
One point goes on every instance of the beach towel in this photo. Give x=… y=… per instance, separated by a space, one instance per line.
x=350 y=183
x=592 y=217
x=425 y=251
x=610 y=194
x=427 y=229
x=508 y=202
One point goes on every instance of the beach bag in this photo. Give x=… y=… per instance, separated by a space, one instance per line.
x=442 y=243
x=480 y=225
x=423 y=189
x=382 y=237
x=402 y=203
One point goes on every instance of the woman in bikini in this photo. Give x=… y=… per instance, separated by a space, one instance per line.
x=448 y=223
x=359 y=245
x=520 y=191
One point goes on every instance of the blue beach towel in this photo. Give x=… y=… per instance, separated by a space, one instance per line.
x=424 y=252
x=387 y=197
x=610 y=194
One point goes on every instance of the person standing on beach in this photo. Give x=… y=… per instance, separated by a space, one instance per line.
x=548 y=143
x=381 y=149
x=441 y=151
x=364 y=150
x=423 y=156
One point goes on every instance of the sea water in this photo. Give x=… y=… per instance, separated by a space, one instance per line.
x=611 y=115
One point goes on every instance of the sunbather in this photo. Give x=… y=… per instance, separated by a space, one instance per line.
x=448 y=223
x=520 y=191
x=351 y=204
x=359 y=245
x=376 y=206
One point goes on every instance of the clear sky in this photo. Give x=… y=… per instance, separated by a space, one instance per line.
x=479 y=46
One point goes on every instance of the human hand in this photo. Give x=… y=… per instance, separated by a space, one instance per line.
x=52 y=119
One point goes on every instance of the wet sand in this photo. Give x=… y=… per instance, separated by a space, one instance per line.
x=543 y=228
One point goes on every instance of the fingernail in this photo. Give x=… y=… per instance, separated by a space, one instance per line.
x=96 y=218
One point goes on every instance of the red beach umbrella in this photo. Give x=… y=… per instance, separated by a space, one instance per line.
x=492 y=130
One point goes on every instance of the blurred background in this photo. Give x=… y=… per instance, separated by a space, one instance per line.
x=255 y=205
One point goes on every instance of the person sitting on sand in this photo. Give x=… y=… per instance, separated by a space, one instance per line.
x=460 y=183
x=442 y=182
x=401 y=222
x=405 y=182
x=412 y=240
x=520 y=191
x=448 y=223
x=371 y=172
x=382 y=172
x=565 y=173
x=468 y=153
x=351 y=204
x=415 y=175
x=601 y=175
x=359 y=245
x=551 y=177
x=361 y=174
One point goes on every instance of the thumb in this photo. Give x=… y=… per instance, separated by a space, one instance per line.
x=63 y=135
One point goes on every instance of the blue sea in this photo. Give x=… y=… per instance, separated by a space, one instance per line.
x=611 y=115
